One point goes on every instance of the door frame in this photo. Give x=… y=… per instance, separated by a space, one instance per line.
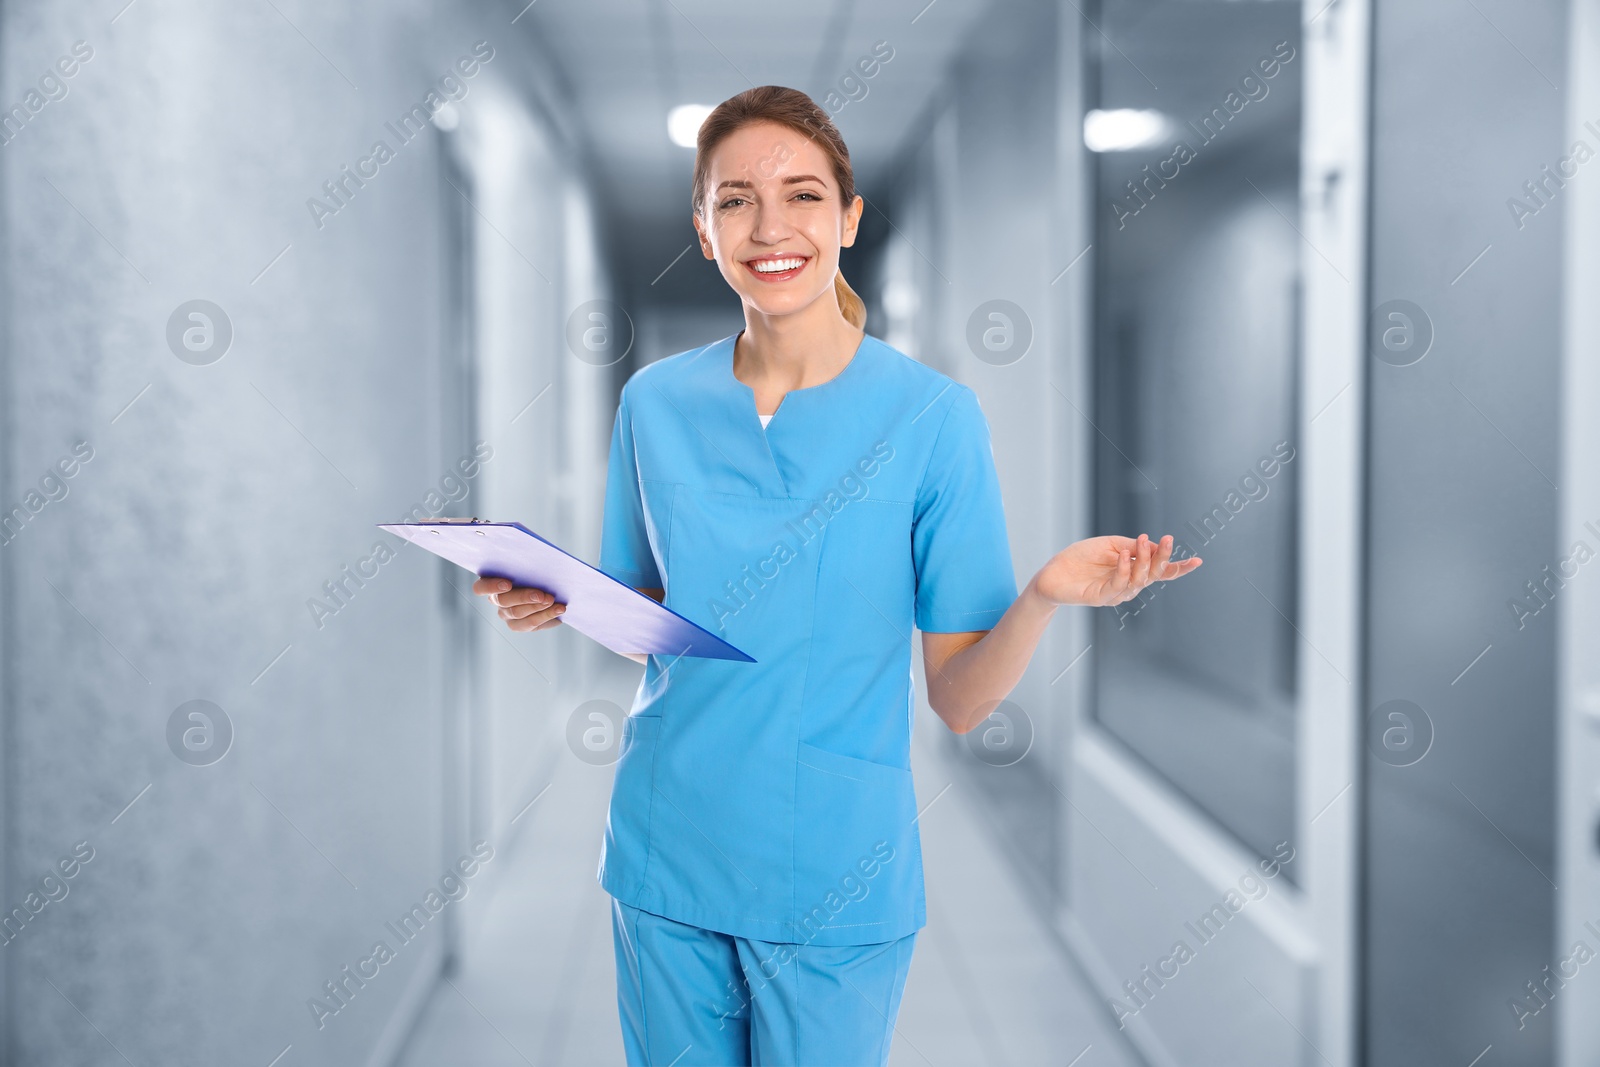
x=1578 y=608
x=465 y=773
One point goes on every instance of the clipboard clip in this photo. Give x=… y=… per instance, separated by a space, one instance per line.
x=458 y=522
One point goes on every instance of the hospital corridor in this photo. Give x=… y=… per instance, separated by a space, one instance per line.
x=305 y=307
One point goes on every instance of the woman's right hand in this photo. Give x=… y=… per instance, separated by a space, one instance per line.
x=524 y=609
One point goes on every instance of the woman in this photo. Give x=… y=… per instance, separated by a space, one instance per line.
x=809 y=493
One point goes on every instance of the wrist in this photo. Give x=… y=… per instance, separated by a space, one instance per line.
x=1036 y=600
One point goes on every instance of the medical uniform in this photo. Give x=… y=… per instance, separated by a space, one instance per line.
x=761 y=844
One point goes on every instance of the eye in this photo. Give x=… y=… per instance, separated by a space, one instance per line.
x=813 y=196
x=731 y=201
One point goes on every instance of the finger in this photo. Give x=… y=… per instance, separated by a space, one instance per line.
x=484 y=586
x=537 y=620
x=1119 y=581
x=1180 y=568
x=1165 y=567
x=524 y=611
x=1119 y=543
x=524 y=595
x=1141 y=563
x=1156 y=554
x=1163 y=554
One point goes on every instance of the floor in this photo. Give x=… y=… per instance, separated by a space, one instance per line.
x=989 y=985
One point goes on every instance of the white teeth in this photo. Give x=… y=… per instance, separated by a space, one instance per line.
x=776 y=266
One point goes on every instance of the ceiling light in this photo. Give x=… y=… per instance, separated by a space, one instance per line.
x=1126 y=129
x=683 y=123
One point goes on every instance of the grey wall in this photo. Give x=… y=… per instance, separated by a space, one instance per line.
x=220 y=498
x=1462 y=512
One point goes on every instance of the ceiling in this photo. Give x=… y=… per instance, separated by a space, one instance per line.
x=628 y=62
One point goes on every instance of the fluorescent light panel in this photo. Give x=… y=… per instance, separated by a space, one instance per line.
x=683 y=123
x=1126 y=129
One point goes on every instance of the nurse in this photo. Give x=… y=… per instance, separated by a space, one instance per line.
x=812 y=495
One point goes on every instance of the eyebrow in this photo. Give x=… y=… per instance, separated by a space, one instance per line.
x=791 y=179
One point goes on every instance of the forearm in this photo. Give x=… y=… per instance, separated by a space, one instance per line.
x=967 y=686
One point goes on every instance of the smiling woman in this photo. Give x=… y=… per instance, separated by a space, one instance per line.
x=775 y=127
x=747 y=791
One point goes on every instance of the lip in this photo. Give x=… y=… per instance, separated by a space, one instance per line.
x=782 y=276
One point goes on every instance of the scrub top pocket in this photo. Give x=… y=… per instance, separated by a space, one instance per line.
x=627 y=840
x=857 y=858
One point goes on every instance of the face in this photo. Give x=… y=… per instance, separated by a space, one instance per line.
x=772 y=202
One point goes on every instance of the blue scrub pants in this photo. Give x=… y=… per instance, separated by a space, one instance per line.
x=690 y=997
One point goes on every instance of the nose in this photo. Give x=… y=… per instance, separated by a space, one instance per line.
x=772 y=223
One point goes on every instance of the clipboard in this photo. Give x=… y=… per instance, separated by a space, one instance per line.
x=598 y=605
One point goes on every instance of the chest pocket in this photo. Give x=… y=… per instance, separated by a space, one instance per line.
x=745 y=567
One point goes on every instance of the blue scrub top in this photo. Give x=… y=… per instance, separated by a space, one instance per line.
x=773 y=800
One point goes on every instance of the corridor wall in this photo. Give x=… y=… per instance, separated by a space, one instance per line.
x=190 y=492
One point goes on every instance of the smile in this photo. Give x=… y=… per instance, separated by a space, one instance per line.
x=776 y=268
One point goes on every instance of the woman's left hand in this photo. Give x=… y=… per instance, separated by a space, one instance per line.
x=1101 y=571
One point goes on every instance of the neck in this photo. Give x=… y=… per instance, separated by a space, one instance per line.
x=798 y=350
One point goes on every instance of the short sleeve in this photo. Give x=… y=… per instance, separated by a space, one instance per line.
x=625 y=551
x=965 y=580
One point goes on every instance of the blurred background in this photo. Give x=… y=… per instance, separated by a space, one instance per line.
x=1308 y=285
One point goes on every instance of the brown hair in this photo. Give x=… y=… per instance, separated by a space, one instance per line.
x=797 y=111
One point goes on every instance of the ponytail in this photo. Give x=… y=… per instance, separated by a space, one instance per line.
x=850 y=305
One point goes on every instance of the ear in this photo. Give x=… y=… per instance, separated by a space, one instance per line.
x=705 y=241
x=852 y=222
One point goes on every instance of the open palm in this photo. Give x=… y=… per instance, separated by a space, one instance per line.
x=1101 y=571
